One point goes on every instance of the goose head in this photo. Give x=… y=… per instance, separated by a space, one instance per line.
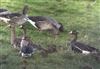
x=73 y=34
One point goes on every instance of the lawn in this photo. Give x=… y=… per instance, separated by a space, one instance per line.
x=80 y=15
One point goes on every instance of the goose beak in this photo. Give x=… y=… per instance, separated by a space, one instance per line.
x=31 y=22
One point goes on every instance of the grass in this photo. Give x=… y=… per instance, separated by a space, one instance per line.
x=81 y=15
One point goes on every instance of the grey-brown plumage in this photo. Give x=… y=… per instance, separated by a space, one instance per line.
x=15 y=41
x=12 y=23
x=4 y=11
x=47 y=23
x=27 y=47
x=80 y=47
x=11 y=15
x=21 y=19
x=16 y=18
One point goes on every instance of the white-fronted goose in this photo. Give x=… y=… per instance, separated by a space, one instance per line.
x=46 y=23
x=81 y=47
x=17 y=18
x=27 y=47
x=12 y=23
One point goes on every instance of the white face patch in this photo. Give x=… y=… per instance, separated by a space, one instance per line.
x=33 y=23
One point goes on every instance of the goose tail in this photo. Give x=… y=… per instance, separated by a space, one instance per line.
x=61 y=29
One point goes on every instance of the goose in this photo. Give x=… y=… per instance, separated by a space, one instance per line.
x=12 y=24
x=14 y=40
x=81 y=47
x=23 y=44
x=27 y=47
x=17 y=18
x=46 y=23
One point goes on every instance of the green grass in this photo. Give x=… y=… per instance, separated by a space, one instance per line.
x=81 y=15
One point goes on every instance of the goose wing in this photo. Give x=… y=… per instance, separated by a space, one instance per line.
x=53 y=21
x=37 y=18
x=11 y=15
x=34 y=20
x=85 y=47
x=7 y=17
x=4 y=11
